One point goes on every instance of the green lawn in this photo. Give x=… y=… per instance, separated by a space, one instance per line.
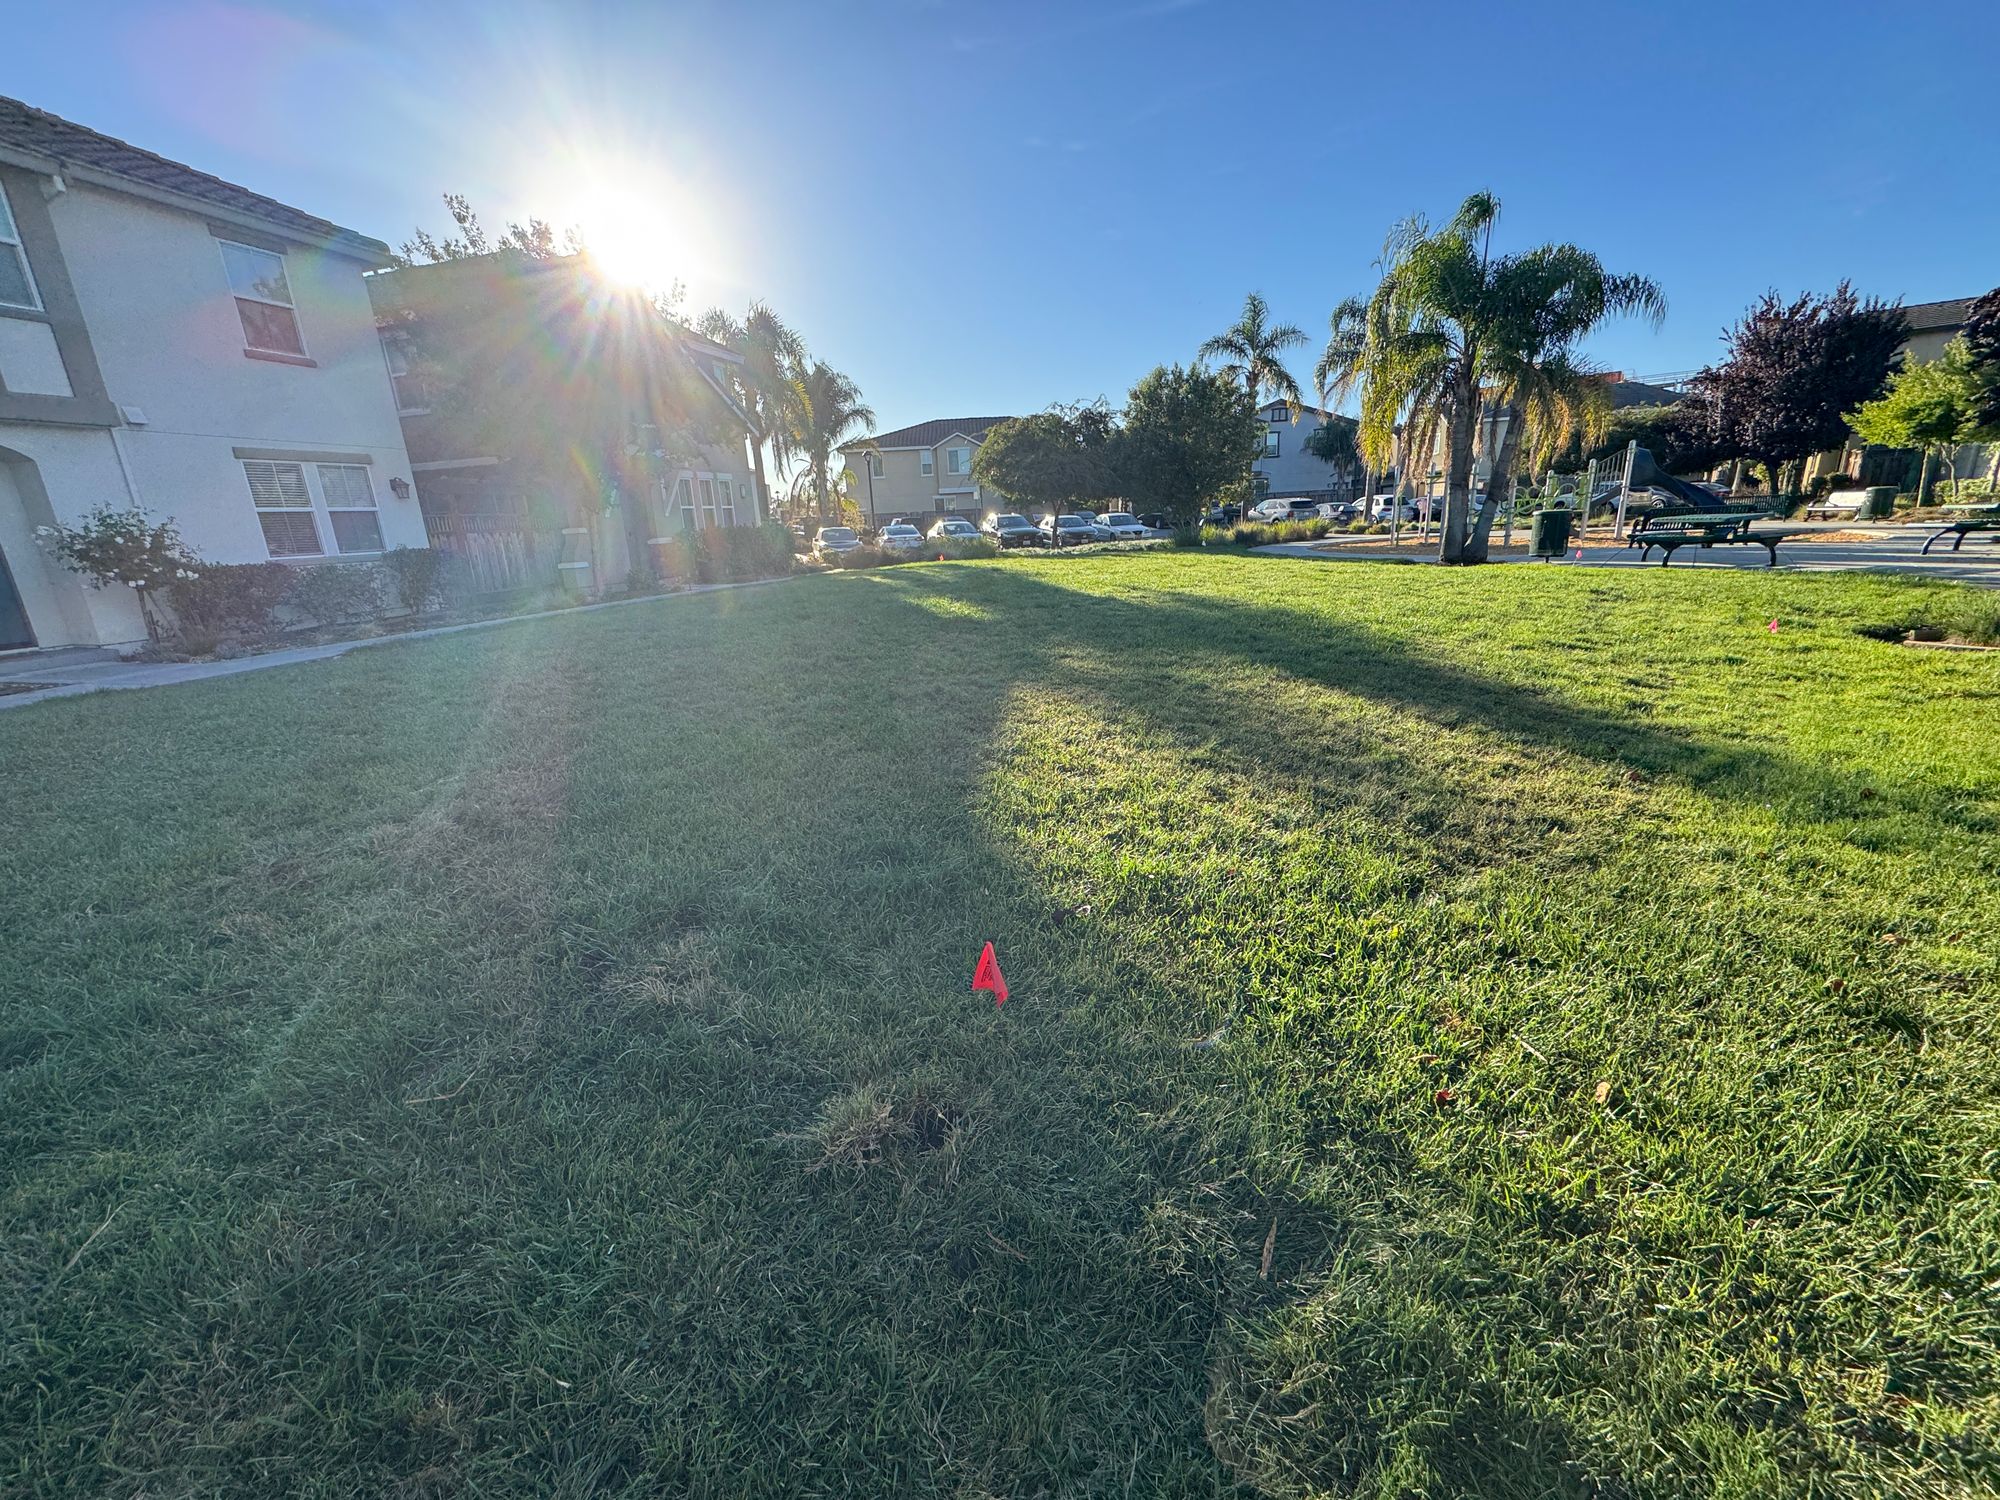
x=541 y=1061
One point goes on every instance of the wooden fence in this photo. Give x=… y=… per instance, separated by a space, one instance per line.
x=497 y=551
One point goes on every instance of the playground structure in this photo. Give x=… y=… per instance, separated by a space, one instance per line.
x=1608 y=485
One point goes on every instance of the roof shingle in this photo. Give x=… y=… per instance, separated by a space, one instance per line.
x=72 y=145
x=927 y=434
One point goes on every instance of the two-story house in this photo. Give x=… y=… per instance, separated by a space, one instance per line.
x=923 y=470
x=172 y=342
x=1286 y=470
x=538 y=395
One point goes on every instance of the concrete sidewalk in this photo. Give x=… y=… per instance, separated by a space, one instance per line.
x=1891 y=549
x=69 y=671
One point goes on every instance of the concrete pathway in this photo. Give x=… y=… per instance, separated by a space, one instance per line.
x=1893 y=549
x=68 y=671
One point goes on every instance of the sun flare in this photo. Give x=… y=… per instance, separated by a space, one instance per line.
x=634 y=236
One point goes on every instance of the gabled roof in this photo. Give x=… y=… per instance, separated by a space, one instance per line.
x=927 y=434
x=51 y=143
x=1928 y=316
x=1304 y=411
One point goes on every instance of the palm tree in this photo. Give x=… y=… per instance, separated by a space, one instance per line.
x=1448 y=325
x=1253 y=352
x=825 y=409
x=773 y=357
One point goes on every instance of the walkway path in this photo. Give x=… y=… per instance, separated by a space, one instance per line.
x=89 y=670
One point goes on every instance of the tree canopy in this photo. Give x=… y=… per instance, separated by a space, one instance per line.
x=1189 y=433
x=1052 y=458
x=1982 y=341
x=1253 y=351
x=1792 y=374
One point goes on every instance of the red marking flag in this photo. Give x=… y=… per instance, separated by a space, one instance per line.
x=988 y=976
x=1772 y=627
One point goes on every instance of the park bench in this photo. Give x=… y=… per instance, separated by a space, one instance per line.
x=1838 y=503
x=1986 y=518
x=1702 y=529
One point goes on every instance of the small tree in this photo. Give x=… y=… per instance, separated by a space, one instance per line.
x=1929 y=406
x=1051 y=459
x=126 y=549
x=1793 y=372
x=1982 y=342
x=1188 y=434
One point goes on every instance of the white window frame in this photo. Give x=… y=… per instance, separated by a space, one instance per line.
x=929 y=463
x=1271 y=443
x=684 y=503
x=316 y=509
x=292 y=306
x=348 y=508
x=10 y=236
x=876 y=468
x=725 y=500
x=394 y=351
x=952 y=464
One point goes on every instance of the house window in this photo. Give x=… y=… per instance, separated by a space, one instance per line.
x=726 y=499
x=263 y=299
x=929 y=462
x=350 y=507
x=958 y=460
x=1270 y=443
x=708 y=503
x=684 y=503
x=875 y=466
x=17 y=287
x=284 y=508
x=412 y=400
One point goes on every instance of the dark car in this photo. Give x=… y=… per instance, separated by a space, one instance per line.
x=1010 y=529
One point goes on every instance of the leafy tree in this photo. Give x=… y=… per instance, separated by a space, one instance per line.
x=1982 y=341
x=1252 y=351
x=825 y=410
x=1051 y=459
x=535 y=239
x=1929 y=406
x=1451 y=324
x=1793 y=372
x=1188 y=434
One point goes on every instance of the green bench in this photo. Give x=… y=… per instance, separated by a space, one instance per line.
x=1987 y=518
x=1701 y=529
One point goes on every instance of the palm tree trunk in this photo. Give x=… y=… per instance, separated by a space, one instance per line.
x=1500 y=486
x=763 y=490
x=1463 y=425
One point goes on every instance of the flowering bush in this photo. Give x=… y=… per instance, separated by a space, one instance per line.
x=125 y=549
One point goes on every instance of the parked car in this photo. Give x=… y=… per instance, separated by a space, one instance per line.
x=1274 y=510
x=901 y=536
x=1098 y=530
x=1156 y=521
x=1221 y=515
x=1338 y=510
x=1067 y=529
x=1010 y=529
x=954 y=529
x=832 y=539
x=1125 y=527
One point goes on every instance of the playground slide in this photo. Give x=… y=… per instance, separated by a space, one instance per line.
x=1647 y=475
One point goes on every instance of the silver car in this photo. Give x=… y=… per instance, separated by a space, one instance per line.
x=833 y=539
x=954 y=529
x=900 y=536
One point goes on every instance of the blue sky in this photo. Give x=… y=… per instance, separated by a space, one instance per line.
x=983 y=208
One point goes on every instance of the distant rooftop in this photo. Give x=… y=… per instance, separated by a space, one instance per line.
x=927 y=434
x=1926 y=317
x=77 y=148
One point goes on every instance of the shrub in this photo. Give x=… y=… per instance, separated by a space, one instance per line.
x=414 y=574
x=336 y=593
x=961 y=551
x=222 y=599
x=727 y=554
x=1187 y=534
x=122 y=548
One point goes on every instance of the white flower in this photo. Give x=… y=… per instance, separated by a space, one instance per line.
x=133 y=583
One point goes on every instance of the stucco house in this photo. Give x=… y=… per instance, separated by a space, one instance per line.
x=921 y=470
x=1285 y=470
x=174 y=342
x=540 y=395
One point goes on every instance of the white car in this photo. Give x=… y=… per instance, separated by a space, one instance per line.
x=954 y=529
x=833 y=539
x=1126 y=527
x=900 y=536
x=1285 y=510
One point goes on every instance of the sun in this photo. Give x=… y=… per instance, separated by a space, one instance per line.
x=632 y=236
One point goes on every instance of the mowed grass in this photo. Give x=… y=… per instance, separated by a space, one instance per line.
x=1518 y=1032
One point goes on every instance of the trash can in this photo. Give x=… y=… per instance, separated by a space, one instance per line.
x=1879 y=505
x=1549 y=535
